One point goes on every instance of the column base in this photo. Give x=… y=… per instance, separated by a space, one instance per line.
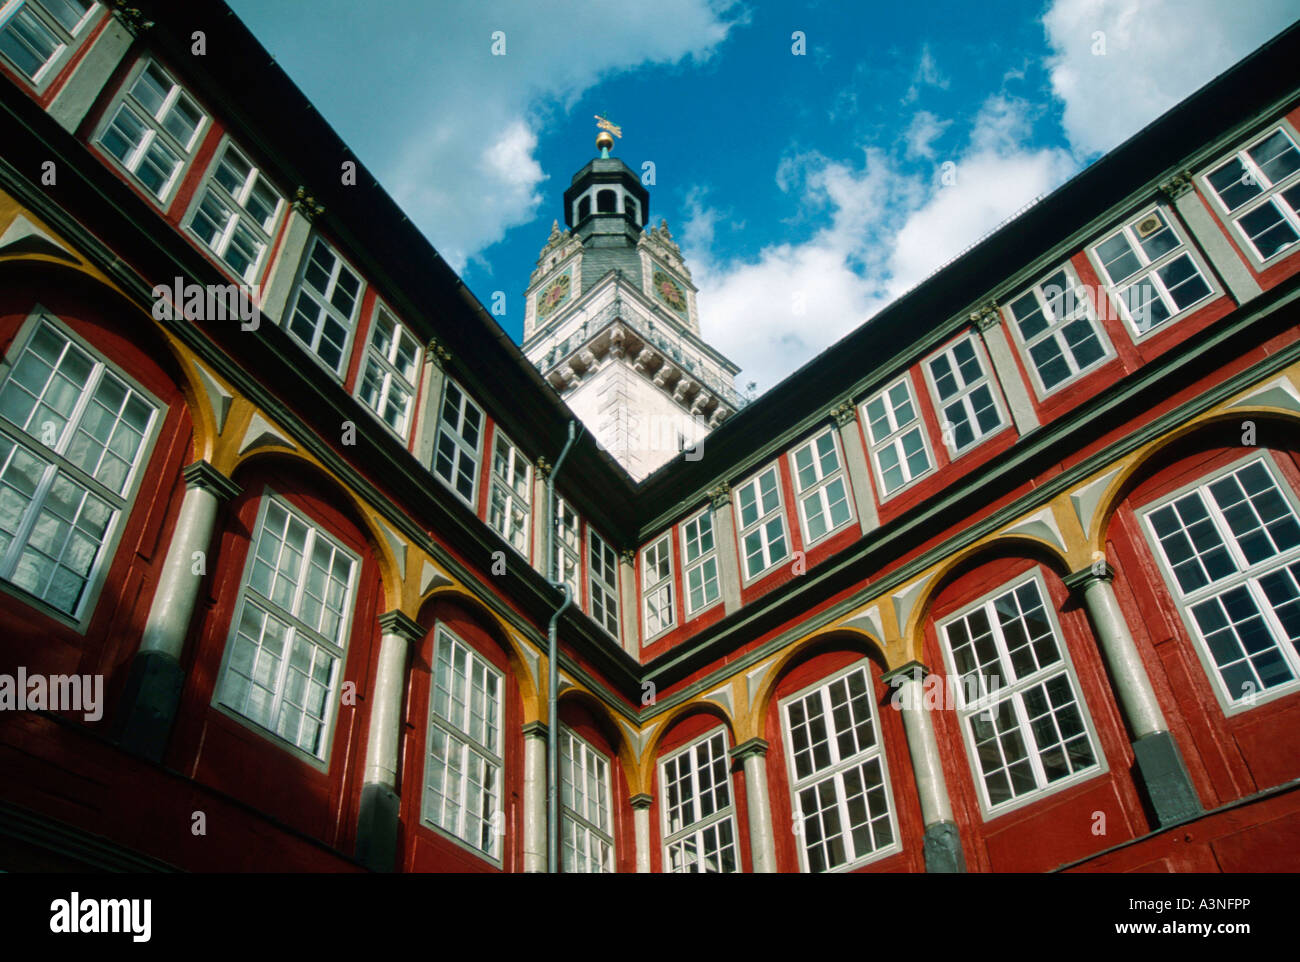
x=377 y=828
x=149 y=704
x=1163 y=774
x=943 y=851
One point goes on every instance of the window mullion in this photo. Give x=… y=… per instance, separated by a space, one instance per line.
x=1027 y=735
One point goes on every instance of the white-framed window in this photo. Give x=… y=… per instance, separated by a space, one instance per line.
x=1057 y=327
x=568 y=548
x=75 y=435
x=153 y=129
x=325 y=306
x=699 y=821
x=899 y=448
x=763 y=538
x=1229 y=546
x=511 y=496
x=391 y=368
x=1026 y=728
x=35 y=34
x=460 y=428
x=289 y=635
x=967 y=400
x=699 y=562
x=602 y=582
x=820 y=487
x=1150 y=271
x=464 y=759
x=839 y=781
x=1259 y=187
x=235 y=211
x=587 y=829
x=657 y=587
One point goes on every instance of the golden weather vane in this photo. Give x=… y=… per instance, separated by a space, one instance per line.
x=607 y=127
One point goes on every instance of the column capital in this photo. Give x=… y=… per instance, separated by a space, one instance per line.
x=436 y=353
x=628 y=557
x=397 y=622
x=535 y=729
x=641 y=800
x=755 y=746
x=1177 y=185
x=130 y=17
x=846 y=412
x=543 y=468
x=986 y=316
x=203 y=475
x=914 y=670
x=1081 y=579
x=720 y=495
x=305 y=204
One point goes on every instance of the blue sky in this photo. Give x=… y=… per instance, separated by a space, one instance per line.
x=807 y=191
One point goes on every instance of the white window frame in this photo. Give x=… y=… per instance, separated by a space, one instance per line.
x=568 y=550
x=820 y=486
x=466 y=742
x=592 y=826
x=608 y=590
x=989 y=695
x=1150 y=269
x=1270 y=194
x=58 y=465
x=463 y=451
x=337 y=648
x=390 y=377
x=898 y=432
x=69 y=40
x=504 y=483
x=838 y=766
x=661 y=549
x=700 y=562
x=964 y=394
x=322 y=301
x=125 y=100
x=694 y=829
x=1246 y=574
x=239 y=216
x=1055 y=330
x=762 y=524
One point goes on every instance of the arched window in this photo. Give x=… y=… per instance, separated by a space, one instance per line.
x=584 y=207
x=632 y=209
x=606 y=201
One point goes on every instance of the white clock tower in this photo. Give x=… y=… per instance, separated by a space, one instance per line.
x=611 y=323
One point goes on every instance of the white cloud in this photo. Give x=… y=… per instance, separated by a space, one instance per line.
x=922 y=132
x=1116 y=65
x=462 y=142
x=884 y=231
x=927 y=75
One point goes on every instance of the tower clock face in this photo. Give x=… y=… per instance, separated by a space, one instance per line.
x=553 y=295
x=668 y=291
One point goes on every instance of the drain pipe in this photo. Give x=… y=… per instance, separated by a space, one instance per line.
x=553 y=670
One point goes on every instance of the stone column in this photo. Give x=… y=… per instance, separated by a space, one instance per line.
x=153 y=687
x=284 y=269
x=641 y=819
x=629 y=609
x=1210 y=239
x=762 y=842
x=541 y=471
x=378 y=821
x=535 y=797
x=988 y=321
x=943 y=851
x=724 y=539
x=855 y=462
x=73 y=102
x=1160 y=764
x=431 y=380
